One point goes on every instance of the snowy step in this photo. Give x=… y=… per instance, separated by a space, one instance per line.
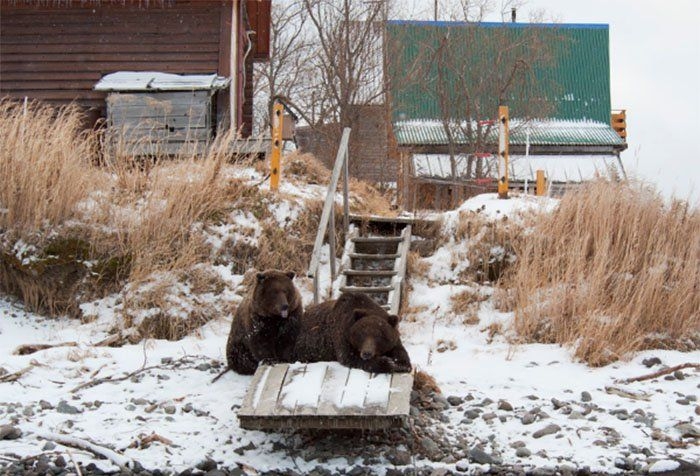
x=366 y=289
x=369 y=272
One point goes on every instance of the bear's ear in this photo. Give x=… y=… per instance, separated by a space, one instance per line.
x=358 y=314
x=290 y=274
x=393 y=320
x=260 y=277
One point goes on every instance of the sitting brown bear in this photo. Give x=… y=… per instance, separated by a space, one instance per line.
x=266 y=322
x=355 y=331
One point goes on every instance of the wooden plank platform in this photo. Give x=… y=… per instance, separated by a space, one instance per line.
x=325 y=395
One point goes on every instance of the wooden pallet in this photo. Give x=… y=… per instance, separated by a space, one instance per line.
x=324 y=395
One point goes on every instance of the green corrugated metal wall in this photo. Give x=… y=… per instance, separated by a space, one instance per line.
x=573 y=83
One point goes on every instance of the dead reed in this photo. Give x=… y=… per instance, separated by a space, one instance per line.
x=613 y=270
x=45 y=165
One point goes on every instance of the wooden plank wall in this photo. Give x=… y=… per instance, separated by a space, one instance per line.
x=58 y=53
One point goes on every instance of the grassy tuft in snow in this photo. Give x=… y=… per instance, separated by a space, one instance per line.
x=614 y=269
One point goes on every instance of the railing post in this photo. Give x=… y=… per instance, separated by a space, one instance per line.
x=328 y=212
x=346 y=185
x=331 y=243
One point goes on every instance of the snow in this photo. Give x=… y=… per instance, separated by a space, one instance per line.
x=176 y=399
x=664 y=465
x=156 y=81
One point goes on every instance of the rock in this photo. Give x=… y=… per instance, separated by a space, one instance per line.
x=485 y=402
x=207 y=464
x=169 y=409
x=59 y=461
x=517 y=444
x=399 y=457
x=130 y=407
x=455 y=400
x=472 y=414
x=697 y=409
x=688 y=430
x=44 y=405
x=203 y=367
x=9 y=432
x=28 y=411
x=462 y=465
x=63 y=407
x=692 y=398
x=623 y=463
x=523 y=452
x=651 y=361
x=216 y=472
x=48 y=446
x=166 y=360
x=432 y=450
x=488 y=416
x=139 y=401
x=575 y=415
x=478 y=455
x=547 y=430
x=187 y=408
x=679 y=375
x=505 y=406
x=242 y=449
x=586 y=396
x=683 y=401
x=528 y=418
x=557 y=403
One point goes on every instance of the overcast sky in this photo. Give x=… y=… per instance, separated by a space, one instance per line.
x=655 y=75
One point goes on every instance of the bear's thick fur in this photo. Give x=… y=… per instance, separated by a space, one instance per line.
x=266 y=323
x=355 y=331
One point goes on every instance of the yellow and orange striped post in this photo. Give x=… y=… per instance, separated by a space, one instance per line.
x=276 y=153
x=503 y=151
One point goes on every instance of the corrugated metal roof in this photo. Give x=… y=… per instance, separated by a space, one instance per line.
x=543 y=132
x=572 y=81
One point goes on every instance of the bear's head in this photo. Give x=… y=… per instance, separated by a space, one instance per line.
x=274 y=294
x=373 y=334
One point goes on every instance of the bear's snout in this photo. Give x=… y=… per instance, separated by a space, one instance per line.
x=368 y=350
x=284 y=310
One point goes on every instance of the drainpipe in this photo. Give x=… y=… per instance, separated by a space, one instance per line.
x=233 y=91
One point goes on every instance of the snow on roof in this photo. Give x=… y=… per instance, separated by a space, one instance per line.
x=155 y=81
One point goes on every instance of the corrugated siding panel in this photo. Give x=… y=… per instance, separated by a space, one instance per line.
x=58 y=54
x=574 y=85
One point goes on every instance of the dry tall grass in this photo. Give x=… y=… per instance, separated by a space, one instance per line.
x=613 y=270
x=45 y=165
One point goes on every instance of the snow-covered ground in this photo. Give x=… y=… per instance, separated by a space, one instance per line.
x=527 y=405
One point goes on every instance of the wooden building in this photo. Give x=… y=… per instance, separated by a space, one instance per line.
x=57 y=50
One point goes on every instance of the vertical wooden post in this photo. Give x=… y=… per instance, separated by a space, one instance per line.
x=275 y=156
x=503 y=151
x=541 y=183
x=331 y=243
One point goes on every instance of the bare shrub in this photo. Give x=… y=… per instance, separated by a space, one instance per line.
x=613 y=270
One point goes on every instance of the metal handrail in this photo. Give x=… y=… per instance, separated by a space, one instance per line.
x=328 y=214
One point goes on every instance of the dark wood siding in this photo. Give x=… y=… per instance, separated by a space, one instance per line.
x=58 y=53
x=258 y=12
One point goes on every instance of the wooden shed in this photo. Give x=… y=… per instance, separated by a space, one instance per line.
x=57 y=50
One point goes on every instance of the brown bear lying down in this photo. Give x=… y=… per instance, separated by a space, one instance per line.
x=266 y=322
x=355 y=331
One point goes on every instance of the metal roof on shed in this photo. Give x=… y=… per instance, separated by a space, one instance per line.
x=542 y=132
x=122 y=81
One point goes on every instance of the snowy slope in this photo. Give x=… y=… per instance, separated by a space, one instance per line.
x=500 y=397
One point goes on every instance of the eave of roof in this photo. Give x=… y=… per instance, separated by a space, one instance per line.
x=533 y=133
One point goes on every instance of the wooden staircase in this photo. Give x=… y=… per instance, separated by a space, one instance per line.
x=374 y=261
